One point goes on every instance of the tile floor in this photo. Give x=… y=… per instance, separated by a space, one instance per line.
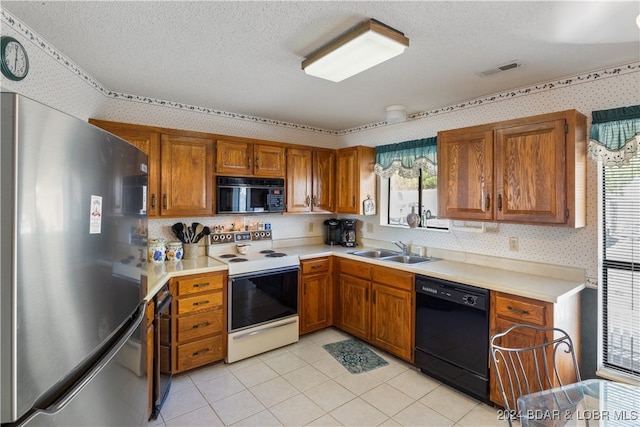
x=301 y=384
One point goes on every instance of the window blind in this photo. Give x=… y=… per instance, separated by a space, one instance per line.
x=621 y=268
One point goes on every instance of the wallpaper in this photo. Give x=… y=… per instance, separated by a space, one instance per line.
x=56 y=81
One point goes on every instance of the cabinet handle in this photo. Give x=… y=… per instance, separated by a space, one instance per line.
x=248 y=162
x=201 y=302
x=488 y=203
x=499 y=202
x=518 y=311
x=307 y=201
x=164 y=201
x=203 y=351
x=314 y=267
x=153 y=200
x=257 y=163
x=201 y=285
x=353 y=200
x=201 y=325
x=314 y=199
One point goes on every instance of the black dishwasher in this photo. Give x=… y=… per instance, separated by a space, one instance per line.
x=452 y=334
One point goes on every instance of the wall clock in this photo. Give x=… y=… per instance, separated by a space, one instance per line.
x=14 y=60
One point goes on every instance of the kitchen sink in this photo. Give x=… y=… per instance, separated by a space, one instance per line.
x=376 y=253
x=408 y=259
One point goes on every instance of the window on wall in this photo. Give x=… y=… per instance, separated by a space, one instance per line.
x=419 y=195
x=409 y=182
x=620 y=287
x=615 y=142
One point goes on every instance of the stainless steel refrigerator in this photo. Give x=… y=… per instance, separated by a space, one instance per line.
x=72 y=336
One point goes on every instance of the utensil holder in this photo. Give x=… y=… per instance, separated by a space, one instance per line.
x=190 y=250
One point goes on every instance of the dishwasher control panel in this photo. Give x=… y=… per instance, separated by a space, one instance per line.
x=452 y=291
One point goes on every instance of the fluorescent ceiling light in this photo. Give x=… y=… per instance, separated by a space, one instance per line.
x=367 y=45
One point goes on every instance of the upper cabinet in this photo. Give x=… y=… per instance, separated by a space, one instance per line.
x=244 y=158
x=149 y=142
x=310 y=180
x=530 y=171
x=186 y=183
x=179 y=170
x=355 y=180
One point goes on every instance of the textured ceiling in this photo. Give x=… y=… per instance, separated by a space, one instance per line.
x=244 y=57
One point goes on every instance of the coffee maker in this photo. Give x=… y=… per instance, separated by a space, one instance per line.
x=348 y=232
x=333 y=234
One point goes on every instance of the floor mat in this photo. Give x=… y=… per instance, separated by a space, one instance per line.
x=355 y=356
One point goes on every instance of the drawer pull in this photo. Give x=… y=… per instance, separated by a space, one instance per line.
x=203 y=351
x=201 y=285
x=316 y=266
x=518 y=311
x=201 y=302
x=201 y=325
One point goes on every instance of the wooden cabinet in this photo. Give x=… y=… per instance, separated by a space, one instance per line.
x=245 y=158
x=508 y=310
x=310 y=180
x=355 y=179
x=198 y=320
x=151 y=357
x=148 y=141
x=180 y=169
x=530 y=170
x=316 y=294
x=376 y=304
x=186 y=176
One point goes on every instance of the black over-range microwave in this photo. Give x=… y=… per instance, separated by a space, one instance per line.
x=249 y=195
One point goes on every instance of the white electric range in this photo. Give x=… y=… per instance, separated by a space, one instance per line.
x=262 y=292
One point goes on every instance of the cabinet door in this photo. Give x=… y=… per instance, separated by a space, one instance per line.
x=299 y=182
x=269 y=161
x=530 y=173
x=354 y=306
x=465 y=174
x=324 y=165
x=316 y=298
x=234 y=158
x=186 y=177
x=346 y=180
x=392 y=320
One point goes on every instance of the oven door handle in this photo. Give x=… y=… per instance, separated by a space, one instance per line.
x=265 y=329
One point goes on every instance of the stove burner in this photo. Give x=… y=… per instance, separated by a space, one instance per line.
x=267 y=251
x=276 y=255
x=228 y=256
x=238 y=260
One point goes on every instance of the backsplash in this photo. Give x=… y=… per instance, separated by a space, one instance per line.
x=56 y=81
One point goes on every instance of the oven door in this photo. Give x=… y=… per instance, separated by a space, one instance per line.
x=262 y=297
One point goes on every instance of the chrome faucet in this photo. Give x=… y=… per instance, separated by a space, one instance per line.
x=401 y=245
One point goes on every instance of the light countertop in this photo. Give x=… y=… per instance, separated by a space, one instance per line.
x=537 y=286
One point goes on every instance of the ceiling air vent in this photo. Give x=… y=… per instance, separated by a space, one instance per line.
x=505 y=67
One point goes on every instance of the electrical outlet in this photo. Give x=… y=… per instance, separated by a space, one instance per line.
x=369 y=227
x=310 y=227
x=513 y=244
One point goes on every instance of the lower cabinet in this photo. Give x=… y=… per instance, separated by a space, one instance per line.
x=508 y=310
x=316 y=294
x=150 y=356
x=198 y=320
x=376 y=304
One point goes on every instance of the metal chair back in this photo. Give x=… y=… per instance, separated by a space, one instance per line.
x=548 y=361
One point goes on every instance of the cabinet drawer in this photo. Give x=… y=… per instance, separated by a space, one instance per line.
x=356 y=268
x=395 y=278
x=199 y=303
x=199 y=325
x=521 y=310
x=315 y=265
x=199 y=353
x=194 y=284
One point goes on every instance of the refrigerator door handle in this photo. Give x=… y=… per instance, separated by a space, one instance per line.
x=60 y=404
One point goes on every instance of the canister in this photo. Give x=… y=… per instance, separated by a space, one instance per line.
x=157 y=250
x=174 y=251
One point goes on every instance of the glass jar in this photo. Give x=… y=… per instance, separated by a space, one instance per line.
x=157 y=250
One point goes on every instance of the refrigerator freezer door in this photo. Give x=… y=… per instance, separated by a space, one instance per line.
x=63 y=230
x=113 y=393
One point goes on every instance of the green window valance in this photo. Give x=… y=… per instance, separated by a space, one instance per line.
x=407 y=158
x=615 y=135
